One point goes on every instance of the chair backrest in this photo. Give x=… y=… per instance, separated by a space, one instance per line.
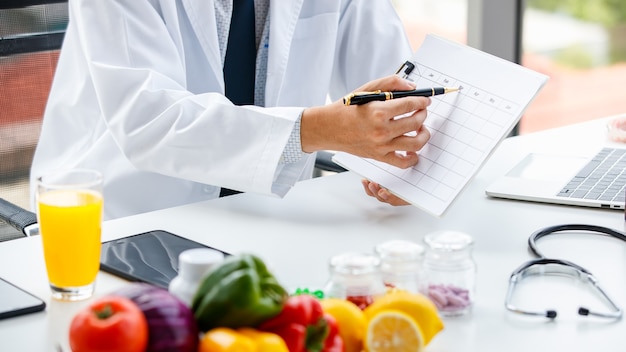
x=31 y=34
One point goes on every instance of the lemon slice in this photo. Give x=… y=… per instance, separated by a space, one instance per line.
x=417 y=306
x=392 y=330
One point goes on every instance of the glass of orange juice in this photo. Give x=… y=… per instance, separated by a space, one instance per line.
x=69 y=212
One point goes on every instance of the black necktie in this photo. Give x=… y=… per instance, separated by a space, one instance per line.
x=240 y=60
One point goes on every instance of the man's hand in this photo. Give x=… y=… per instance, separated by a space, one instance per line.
x=373 y=189
x=374 y=130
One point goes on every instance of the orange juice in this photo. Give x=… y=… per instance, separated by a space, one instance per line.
x=70 y=225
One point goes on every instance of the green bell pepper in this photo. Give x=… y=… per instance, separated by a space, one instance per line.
x=240 y=291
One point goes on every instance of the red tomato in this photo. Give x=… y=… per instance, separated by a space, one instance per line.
x=109 y=324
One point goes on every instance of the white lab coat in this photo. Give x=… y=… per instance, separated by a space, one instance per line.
x=138 y=95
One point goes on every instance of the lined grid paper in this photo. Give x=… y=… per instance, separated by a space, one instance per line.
x=465 y=126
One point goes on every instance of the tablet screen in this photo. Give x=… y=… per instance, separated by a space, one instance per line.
x=150 y=257
x=14 y=301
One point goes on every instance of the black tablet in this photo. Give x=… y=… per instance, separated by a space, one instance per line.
x=15 y=301
x=150 y=257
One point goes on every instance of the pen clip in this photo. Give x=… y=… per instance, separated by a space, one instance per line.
x=409 y=68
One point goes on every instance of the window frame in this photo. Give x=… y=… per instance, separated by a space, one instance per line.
x=495 y=27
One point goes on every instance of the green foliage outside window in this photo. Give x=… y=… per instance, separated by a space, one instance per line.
x=607 y=12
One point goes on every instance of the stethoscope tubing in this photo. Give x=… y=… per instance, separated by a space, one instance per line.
x=518 y=273
x=601 y=230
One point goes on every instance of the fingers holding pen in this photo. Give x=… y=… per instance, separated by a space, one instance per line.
x=402 y=106
x=410 y=123
x=399 y=116
x=411 y=142
x=400 y=128
x=390 y=131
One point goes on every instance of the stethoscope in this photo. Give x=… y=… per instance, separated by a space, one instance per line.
x=549 y=266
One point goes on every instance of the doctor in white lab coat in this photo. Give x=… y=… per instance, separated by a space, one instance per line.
x=139 y=95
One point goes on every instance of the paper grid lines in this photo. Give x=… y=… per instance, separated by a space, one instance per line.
x=464 y=127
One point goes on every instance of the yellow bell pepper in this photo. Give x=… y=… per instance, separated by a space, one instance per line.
x=225 y=340
x=242 y=340
x=265 y=341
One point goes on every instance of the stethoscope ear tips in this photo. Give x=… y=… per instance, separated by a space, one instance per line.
x=551 y=314
x=583 y=311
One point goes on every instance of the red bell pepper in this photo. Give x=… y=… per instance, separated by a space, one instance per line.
x=333 y=342
x=303 y=326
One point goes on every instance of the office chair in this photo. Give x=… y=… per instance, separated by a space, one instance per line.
x=324 y=164
x=31 y=33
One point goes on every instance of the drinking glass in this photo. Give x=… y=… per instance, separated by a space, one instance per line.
x=69 y=212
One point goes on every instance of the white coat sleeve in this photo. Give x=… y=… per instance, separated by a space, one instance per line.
x=371 y=44
x=139 y=76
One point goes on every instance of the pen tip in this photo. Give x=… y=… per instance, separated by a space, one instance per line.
x=452 y=89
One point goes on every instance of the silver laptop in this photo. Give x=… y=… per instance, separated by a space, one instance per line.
x=593 y=182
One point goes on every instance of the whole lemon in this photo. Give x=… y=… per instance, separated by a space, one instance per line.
x=416 y=305
x=350 y=320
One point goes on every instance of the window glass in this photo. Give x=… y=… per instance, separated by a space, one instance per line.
x=33 y=19
x=445 y=18
x=29 y=41
x=581 y=45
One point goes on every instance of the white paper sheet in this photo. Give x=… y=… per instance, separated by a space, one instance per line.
x=465 y=126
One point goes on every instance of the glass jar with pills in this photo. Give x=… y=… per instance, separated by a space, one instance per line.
x=401 y=263
x=355 y=277
x=449 y=272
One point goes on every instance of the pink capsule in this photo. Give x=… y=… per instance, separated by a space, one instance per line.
x=456 y=301
x=438 y=298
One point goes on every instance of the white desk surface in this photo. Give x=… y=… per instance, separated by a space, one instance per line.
x=329 y=215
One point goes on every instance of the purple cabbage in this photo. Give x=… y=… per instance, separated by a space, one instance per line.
x=171 y=323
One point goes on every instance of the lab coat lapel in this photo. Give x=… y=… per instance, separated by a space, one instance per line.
x=283 y=18
x=201 y=14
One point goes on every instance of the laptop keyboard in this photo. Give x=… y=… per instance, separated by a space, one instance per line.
x=603 y=178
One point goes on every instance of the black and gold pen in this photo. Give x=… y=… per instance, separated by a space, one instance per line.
x=359 y=98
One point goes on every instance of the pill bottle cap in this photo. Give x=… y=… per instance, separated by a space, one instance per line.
x=355 y=263
x=194 y=263
x=399 y=251
x=448 y=240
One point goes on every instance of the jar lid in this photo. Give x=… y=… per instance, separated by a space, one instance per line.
x=399 y=251
x=448 y=240
x=355 y=263
x=195 y=262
